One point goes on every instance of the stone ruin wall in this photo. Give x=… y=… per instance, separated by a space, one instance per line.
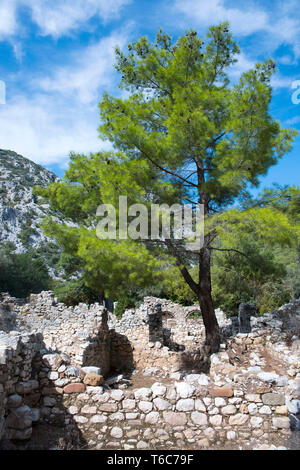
x=55 y=364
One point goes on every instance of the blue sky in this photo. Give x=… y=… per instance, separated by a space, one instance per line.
x=56 y=59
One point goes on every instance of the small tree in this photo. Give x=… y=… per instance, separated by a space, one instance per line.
x=204 y=139
x=183 y=134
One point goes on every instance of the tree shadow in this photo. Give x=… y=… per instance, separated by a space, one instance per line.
x=121 y=359
x=196 y=360
x=168 y=341
x=7 y=315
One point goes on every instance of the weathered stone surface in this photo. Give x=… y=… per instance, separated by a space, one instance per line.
x=262 y=389
x=53 y=360
x=145 y=406
x=268 y=377
x=87 y=409
x=220 y=402
x=210 y=433
x=73 y=410
x=213 y=411
x=152 y=417
x=273 y=399
x=117 y=395
x=161 y=404
x=228 y=410
x=14 y=401
x=281 y=423
x=116 y=432
x=93 y=379
x=33 y=398
x=255 y=397
x=98 y=390
x=256 y=422
x=24 y=388
x=96 y=419
x=252 y=408
x=238 y=420
x=199 y=405
x=199 y=418
x=49 y=401
x=203 y=380
x=185 y=404
x=231 y=435
x=265 y=410
x=129 y=404
x=81 y=419
x=53 y=375
x=162 y=435
x=72 y=371
x=175 y=419
x=184 y=390
x=92 y=370
x=221 y=392
x=99 y=397
x=118 y=416
x=20 y=418
x=74 y=388
x=143 y=393
x=216 y=420
x=282 y=410
x=108 y=407
x=132 y=416
x=203 y=443
x=158 y=389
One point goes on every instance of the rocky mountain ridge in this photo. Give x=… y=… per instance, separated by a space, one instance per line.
x=21 y=212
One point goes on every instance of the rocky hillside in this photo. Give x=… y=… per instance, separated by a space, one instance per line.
x=21 y=212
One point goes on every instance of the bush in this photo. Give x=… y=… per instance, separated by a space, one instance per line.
x=22 y=274
x=272 y=295
x=133 y=298
x=74 y=291
x=176 y=289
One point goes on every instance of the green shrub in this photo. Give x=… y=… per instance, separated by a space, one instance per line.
x=176 y=289
x=22 y=274
x=74 y=291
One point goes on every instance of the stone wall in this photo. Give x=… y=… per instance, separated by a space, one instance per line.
x=185 y=415
x=60 y=377
x=18 y=381
x=81 y=332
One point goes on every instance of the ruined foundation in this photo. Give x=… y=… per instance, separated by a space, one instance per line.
x=80 y=378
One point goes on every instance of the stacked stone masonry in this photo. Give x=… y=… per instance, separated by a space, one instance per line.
x=103 y=384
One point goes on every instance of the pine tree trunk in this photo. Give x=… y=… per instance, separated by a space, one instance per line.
x=212 y=332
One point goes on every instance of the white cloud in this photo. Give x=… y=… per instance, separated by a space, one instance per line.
x=243 y=64
x=281 y=81
x=8 y=24
x=63 y=16
x=45 y=130
x=243 y=21
x=292 y=121
x=61 y=115
x=286 y=60
x=91 y=69
x=278 y=24
x=59 y=17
